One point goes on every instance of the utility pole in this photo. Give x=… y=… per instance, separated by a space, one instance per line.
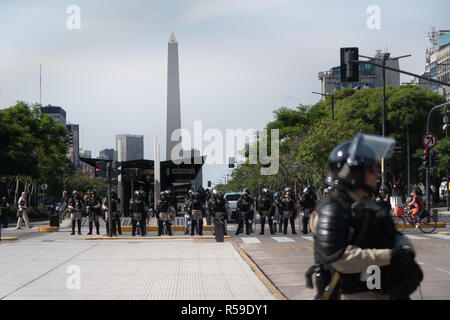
x=407 y=151
x=332 y=102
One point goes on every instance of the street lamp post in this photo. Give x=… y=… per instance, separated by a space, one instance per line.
x=332 y=101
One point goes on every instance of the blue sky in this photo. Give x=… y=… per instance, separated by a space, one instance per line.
x=239 y=60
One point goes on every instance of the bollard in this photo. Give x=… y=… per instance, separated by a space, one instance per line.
x=219 y=230
x=54 y=220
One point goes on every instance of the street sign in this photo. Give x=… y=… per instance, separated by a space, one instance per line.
x=44 y=186
x=259 y=181
x=429 y=140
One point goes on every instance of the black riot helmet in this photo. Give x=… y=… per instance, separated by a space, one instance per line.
x=328 y=190
x=220 y=194
x=4 y=199
x=265 y=191
x=246 y=191
x=348 y=161
x=139 y=194
x=75 y=193
x=276 y=195
x=308 y=190
x=195 y=195
x=93 y=192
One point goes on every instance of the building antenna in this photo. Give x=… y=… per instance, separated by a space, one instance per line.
x=40 y=84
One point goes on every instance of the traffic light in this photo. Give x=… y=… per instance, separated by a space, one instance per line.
x=100 y=169
x=426 y=157
x=422 y=175
x=349 y=69
x=434 y=158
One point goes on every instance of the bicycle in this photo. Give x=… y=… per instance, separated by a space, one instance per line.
x=402 y=216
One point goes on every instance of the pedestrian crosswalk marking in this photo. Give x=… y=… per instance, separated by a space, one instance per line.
x=409 y=236
x=283 y=239
x=308 y=238
x=250 y=240
x=440 y=236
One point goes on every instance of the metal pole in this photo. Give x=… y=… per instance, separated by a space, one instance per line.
x=108 y=171
x=446 y=137
x=383 y=174
x=407 y=151
x=332 y=107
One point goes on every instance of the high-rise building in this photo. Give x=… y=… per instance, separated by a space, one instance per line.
x=438 y=60
x=369 y=76
x=56 y=113
x=173 y=120
x=129 y=147
x=74 y=144
x=107 y=154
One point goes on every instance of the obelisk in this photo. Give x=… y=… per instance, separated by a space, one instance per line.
x=173 y=120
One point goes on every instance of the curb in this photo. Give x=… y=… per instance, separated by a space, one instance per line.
x=445 y=233
x=48 y=229
x=155 y=228
x=411 y=226
x=155 y=238
x=9 y=238
x=261 y=275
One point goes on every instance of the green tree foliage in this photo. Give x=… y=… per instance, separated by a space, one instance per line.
x=33 y=147
x=84 y=183
x=305 y=147
x=443 y=147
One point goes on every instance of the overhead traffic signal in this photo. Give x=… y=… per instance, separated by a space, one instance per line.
x=422 y=175
x=349 y=69
x=434 y=158
x=426 y=157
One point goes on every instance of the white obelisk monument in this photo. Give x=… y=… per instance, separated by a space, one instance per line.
x=173 y=120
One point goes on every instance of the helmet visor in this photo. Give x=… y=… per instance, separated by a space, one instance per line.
x=381 y=145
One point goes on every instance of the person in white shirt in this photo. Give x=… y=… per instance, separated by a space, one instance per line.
x=22 y=211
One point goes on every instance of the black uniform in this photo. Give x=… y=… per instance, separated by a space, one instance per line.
x=244 y=207
x=115 y=216
x=195 y=204
x=138 y=214
x=76 y=212
x=276 y=213
x=94 y=212
x=163 y=216
x=264 y=209
x=218 y=207
x=341 y=223
x=4 y=210
x=307 y=203
x=288 y=213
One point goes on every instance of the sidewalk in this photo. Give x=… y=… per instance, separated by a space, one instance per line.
x=49 y=268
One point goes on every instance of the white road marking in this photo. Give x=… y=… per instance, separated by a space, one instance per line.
x=440 y=236
x=308 y=238
x=409 y=236
x=441 y=270
x=283 y=239
x=250 y=240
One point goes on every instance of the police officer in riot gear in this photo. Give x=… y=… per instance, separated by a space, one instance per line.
x=94 y=211
x=352 y=232
x=115 y=216
x=264 y=206
x=219 y=208
x=187 y=216
x=327 y=191
x=288 y=210
x=244 y=206
x=164 y=214
x=195 y=210
x=75 y=207
x=383 y=199
x=307 y=202
x=139 y=212
x=276 y=212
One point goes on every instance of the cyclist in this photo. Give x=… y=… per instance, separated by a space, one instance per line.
x=416 y=205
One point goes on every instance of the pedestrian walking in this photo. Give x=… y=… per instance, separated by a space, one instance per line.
x=22 y=212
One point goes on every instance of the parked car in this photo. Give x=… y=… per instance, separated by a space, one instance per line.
x=232 y=198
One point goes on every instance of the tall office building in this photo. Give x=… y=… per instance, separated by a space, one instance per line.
x=107 y=154
x=56 y=113
x=129 y=147
x=74 y=144
x=173 y=120
x=369 y=76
